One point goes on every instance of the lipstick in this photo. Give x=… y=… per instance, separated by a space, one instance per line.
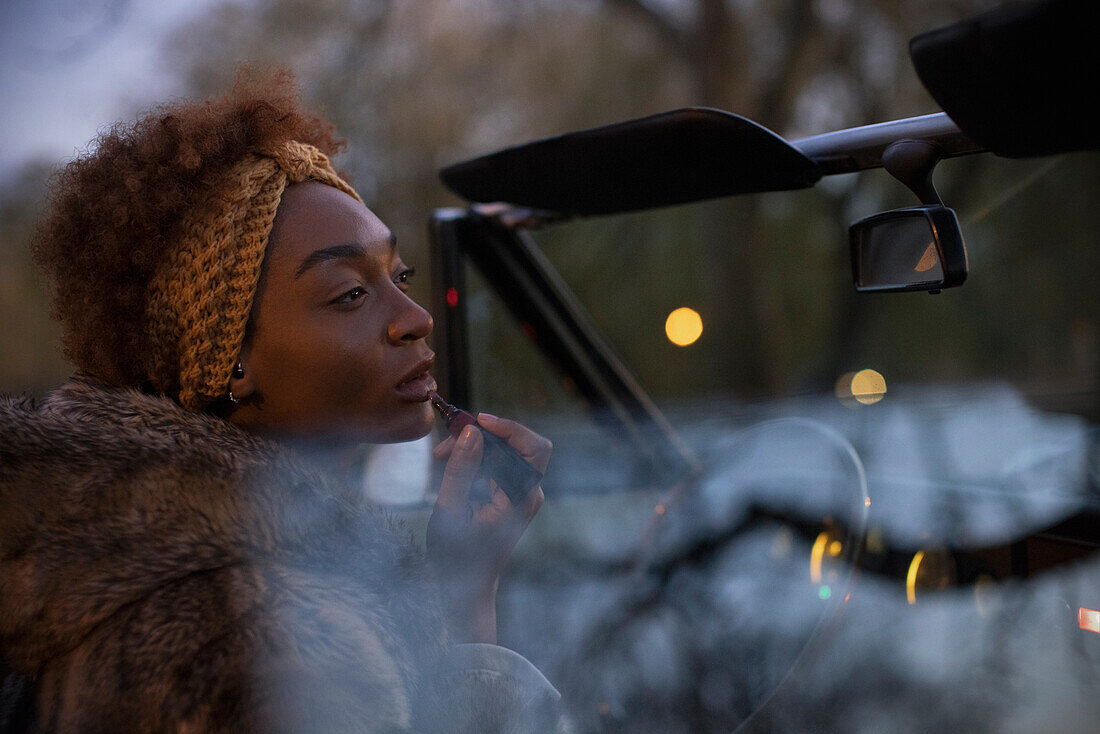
x=499 y=461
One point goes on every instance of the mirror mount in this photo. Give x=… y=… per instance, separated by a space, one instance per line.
x=912 y=162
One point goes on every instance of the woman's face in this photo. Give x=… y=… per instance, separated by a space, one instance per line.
x=336 y=346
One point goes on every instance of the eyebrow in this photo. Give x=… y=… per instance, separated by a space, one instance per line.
x=337 y=252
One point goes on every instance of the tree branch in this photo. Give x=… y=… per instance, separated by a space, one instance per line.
x=661 y=24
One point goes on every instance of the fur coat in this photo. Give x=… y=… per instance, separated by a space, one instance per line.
x=163 y=571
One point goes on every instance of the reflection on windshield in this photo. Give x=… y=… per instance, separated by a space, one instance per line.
x=960 y=618
x=731 y=602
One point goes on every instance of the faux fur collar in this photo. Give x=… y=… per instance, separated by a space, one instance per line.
x=107 y=494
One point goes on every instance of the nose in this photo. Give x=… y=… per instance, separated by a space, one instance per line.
x=410 y=323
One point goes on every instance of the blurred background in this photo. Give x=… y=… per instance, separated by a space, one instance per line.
x=416 y=85
x=975 y=428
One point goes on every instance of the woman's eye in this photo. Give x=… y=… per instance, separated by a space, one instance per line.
x=351 y=296
x=404 y=276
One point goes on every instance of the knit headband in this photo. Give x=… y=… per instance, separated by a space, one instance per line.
x=201 y=296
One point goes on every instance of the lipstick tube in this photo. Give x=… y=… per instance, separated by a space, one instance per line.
x=499 y=461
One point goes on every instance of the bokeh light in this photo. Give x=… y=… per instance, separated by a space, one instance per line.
x=930 y=570
x=683 y=326
x=911 y=578
x=868 y=386
x=865 y=387
x=1088 y=619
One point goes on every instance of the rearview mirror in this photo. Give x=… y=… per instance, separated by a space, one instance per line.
x=915 y=249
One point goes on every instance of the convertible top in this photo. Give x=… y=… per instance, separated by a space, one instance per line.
x=672 y=157
x=1020 y=81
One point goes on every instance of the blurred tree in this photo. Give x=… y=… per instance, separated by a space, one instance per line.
x=417 y=85
x=30 y=360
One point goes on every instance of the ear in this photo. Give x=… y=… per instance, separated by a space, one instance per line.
x=242 y=382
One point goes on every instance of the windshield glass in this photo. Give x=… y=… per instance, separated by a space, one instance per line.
x=968 y=423
x=889 y=509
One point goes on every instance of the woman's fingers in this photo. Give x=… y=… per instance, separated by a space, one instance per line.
x=461 y=469
x=535 y=449
x=463 y=466
x=522 y=513
x=443 y=449
x=532 y=502
x=499 y=502
x=509 y=521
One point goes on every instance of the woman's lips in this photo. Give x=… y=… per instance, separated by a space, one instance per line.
x=418 y=382
x=417 y=388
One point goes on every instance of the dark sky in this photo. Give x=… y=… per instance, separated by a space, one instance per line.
x=73 y=66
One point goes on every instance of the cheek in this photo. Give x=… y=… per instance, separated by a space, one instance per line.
x=315 y=376
x=353 y=378
x=363 y=384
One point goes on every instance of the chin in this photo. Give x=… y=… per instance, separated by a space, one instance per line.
x=417 y=424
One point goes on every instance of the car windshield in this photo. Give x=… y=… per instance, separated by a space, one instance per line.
x=775 y=504
x=945 y=445
x=890 y=499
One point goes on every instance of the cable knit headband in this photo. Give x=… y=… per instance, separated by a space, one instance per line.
x=200 y=298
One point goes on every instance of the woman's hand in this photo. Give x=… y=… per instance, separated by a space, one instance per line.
x=469 y=542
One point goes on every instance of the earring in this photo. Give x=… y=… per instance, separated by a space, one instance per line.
x=233 y=398
x=238 y=370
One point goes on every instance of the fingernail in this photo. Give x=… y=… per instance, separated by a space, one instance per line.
x=466 y=440
x=487 y=416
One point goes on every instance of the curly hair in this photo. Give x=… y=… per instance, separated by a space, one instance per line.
x=114 y=214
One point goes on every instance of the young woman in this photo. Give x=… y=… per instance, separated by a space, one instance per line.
x=179 y=550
